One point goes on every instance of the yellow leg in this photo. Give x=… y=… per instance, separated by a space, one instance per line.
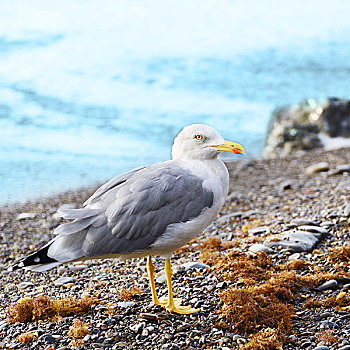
x=150 y=270
x=174 y=305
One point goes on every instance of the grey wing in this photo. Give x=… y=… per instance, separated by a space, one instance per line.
x=130 y=212
x=108 y=186
x=139 y=210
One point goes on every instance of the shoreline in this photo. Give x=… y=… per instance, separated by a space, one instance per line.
x=83 y=193
x=265 y=196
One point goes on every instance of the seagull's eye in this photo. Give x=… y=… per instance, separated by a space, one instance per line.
x=199 y=137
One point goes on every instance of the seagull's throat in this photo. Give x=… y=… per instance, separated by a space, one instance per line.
x=202 y=153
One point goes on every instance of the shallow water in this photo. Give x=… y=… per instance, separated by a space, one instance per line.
x=88 y=91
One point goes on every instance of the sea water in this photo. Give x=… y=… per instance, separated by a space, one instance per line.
x=89 y=89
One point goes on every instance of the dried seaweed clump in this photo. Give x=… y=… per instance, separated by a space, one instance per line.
x=298 y=264
x=248 y=268
x=78 y=331
x=266 y=339
x=340 y=254
x=42 y=307
x=261 y=305
x=327 y=337
x=26 y=337
x=340 y=301
x=129 y=294
x=211 y=247
x=249 y=310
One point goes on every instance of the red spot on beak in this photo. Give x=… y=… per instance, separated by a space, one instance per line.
x=236 y=151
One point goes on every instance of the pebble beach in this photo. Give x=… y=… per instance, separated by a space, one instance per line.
x=292 y=214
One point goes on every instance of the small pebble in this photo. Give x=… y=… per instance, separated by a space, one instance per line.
x=161 y=278
x=260 y=229
x=3 y=325
x=294 y=256
x=347 y=210
x=346 y=347
x=326 y=224
x=147 y=316
x=312 y=228
x=77 y=267
x=257 y=247
x=227 y=217
x=340 y=169
x=305 y=344
x=24 y=285
x=63 y=280
x=221 y=285
x=194 y=265
x=137 y=328
x=125 y=304
x=317 y=168
x=300 y=222
x=23 y=216
x=49 y=339
x=331 y=284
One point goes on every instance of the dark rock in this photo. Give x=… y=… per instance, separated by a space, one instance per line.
x=148 y=316
x=49 y=339
x=298 y=128
x=331 y=284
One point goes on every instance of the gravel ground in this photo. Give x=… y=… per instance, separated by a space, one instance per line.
x=266 y=198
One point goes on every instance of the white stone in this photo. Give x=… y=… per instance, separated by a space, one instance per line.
x=23 y=216
x=257 y=247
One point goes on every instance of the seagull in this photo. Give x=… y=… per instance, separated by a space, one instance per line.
x=149 y=211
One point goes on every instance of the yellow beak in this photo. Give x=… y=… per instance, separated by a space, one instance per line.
x=231 y=147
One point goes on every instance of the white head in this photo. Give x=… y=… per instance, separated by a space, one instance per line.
x=199 y=141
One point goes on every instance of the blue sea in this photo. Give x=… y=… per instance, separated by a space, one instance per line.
x=92 y=88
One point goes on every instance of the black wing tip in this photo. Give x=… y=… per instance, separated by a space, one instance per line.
x=38 y=258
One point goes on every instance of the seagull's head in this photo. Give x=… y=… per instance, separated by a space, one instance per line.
x=199 y=141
